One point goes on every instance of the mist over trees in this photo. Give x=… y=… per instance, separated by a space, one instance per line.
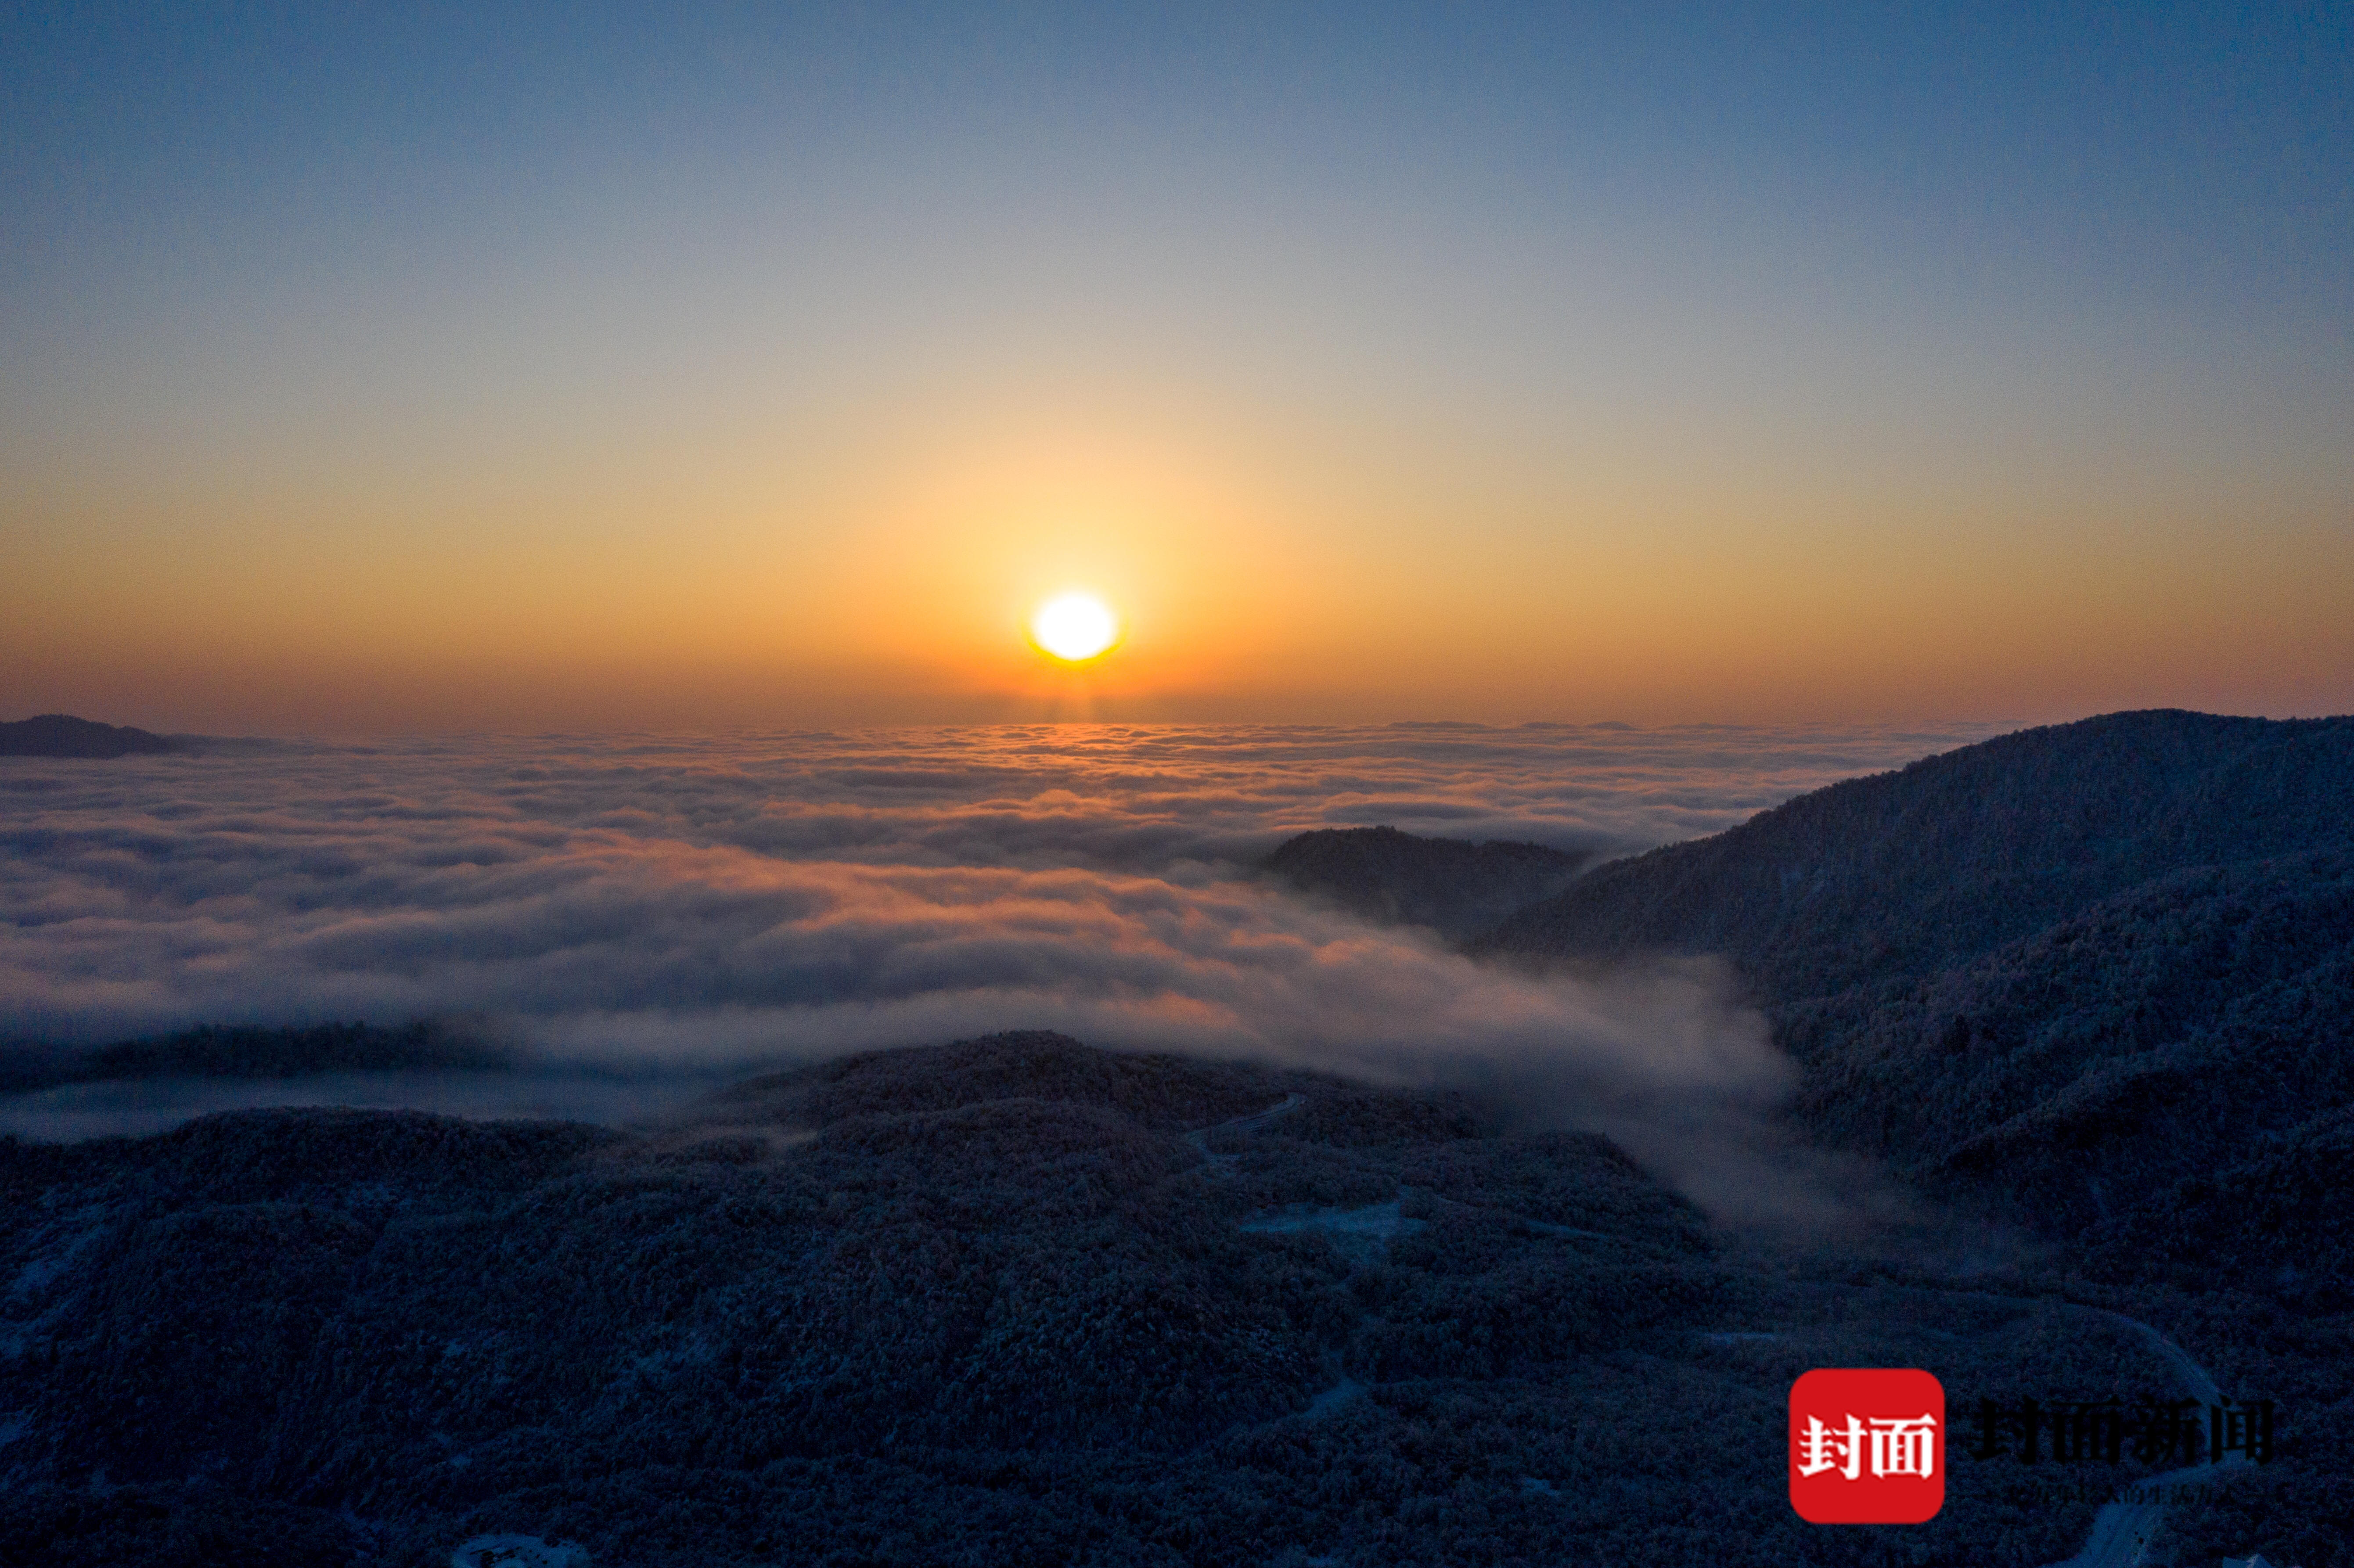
x=2085 y=992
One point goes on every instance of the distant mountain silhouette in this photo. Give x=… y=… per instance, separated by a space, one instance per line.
x=251 y=1051
x=62 y=735
x=1455 y=887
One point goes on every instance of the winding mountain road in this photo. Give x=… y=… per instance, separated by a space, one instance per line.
x=2122 y=1531
x=1200 y=1136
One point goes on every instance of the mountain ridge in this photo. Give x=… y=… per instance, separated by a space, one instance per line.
x=1899 y=874
x=1454 y=887
x=65 y=736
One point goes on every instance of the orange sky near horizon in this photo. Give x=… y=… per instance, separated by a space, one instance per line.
x=1259 y=577
x=1389 y=389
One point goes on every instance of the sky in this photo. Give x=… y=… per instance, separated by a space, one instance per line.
x=518 y=368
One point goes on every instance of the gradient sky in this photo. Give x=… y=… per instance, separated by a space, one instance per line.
x=524 y=367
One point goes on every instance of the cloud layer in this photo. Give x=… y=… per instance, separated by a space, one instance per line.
x=625 y=903
x=820 y=891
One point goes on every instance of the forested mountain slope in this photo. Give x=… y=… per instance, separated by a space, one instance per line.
x=2062 y=971
x=2162 y=1035
x=2095 y=980
x=1904 y=873
x=1011 y=1300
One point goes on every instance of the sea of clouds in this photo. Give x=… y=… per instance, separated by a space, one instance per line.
x=701 y=904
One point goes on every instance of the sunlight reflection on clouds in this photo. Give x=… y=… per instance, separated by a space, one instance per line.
x=818 y=890
x=681 y=908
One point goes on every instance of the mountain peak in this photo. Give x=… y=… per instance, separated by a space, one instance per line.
x=63 y=735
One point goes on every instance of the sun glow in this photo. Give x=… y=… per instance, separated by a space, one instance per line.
x=1074 y=628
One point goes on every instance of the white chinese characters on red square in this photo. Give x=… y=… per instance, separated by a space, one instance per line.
x=1867 y=1445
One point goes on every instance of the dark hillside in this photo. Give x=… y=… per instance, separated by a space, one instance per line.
x=1899 y=875
x=1164 y=1093
x=1456 y=888
x=254 y=1052
x=1010 y=1300
x=2096 y=980
x=2085 y=1071
x=62 y=735
x=2058 y=973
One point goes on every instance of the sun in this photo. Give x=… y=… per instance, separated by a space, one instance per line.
x=1074 y=628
